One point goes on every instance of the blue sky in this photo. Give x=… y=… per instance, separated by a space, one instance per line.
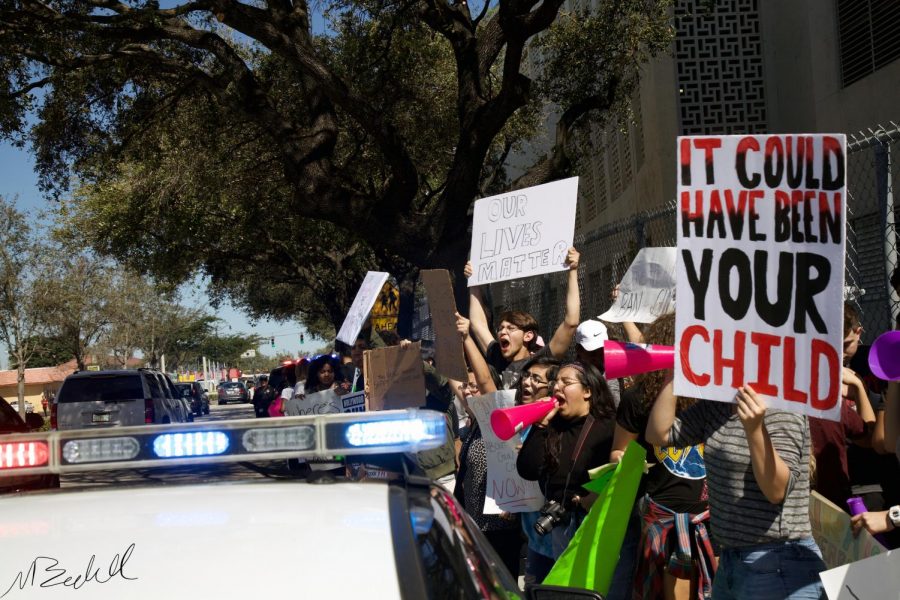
x=19 y=180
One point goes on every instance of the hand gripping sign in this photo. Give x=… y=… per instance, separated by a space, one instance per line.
x=760 y=272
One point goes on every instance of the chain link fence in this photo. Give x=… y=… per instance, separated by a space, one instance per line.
x=872 y=251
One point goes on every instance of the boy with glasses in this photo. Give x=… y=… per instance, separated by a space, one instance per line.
x=517 y=331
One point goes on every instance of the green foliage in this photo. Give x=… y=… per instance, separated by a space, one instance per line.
x=229 y=139
x=49 y=351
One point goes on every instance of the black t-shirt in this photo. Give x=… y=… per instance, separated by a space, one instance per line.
x=594 y=453
x=678 y=478
x=509 y=372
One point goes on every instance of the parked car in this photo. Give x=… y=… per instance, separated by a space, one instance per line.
x=233 y=391
x=194 y=393
x=182 y=403
x=11 y=422
x=29 y=407
x=115 y=398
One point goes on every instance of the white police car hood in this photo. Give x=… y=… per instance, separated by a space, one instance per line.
x=240 y=540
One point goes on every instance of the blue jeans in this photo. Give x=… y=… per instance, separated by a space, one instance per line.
x=623 y=577
x=775 y=571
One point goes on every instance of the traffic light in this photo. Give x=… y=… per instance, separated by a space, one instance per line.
x=301 y=338
x=272 y=341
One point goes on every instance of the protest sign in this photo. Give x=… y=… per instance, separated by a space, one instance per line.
x=362 y=306
x=320 y=403
x=831 y=529
x=522 y=233
x=448 y=350
x=647 y=289
x=760 y=275
x=355 y=402
x=876 y=578
x=394 y=377
x=506 y=491
x=590 y=559
x=386 y=309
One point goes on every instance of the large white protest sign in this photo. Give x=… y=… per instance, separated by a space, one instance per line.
x=362 y=306
x=506 y=490
x=760 y=276
x=522 y=233
x=876 y=578
x=647 y=290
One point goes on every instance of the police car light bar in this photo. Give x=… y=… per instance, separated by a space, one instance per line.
x=319 y=436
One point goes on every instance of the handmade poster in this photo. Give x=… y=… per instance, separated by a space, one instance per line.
x=647 y=289
x=590 y=559
x=506 y=490
x=876 y=578
x=523 y=232
x=362 y=306
x=319 y=403
x=394 y=377
x=831 y=530
x=448 y=349
x=760 y=270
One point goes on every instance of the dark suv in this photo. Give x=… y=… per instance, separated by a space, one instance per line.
x=108 y=398
x=194 y=393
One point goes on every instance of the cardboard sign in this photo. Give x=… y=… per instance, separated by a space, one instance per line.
x=524 y=232
x=362 y=306
x=394 y=377
x=647 y=290
x=831 y=529
x=506 y=490
x=448 y=349
x=876 y=578
x=760 y=275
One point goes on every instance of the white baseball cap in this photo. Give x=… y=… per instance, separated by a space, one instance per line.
x=590 y=335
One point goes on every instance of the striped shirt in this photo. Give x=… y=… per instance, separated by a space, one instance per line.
x=740 y=514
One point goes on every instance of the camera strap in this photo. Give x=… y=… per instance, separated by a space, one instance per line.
x=576 y=451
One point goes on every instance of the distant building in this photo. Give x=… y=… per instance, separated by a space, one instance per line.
x=36 y=381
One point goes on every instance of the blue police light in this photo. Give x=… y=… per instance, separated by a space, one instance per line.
x=393 y=431
x=198 y=443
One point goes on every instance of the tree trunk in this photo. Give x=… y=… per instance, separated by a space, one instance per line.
x=20 y=380
x=407 y=285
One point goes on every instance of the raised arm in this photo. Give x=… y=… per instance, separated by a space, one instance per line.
x=478 y=316
x=769 y=469
x=476 y=360
x=621 y=439
x=858 y=393
x=662 y=417
x=564 y=334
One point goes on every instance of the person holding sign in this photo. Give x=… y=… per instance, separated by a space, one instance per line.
x=517 y=331
x=757 y=469
x=575 y=436
x=323 y=374
x=675 y=559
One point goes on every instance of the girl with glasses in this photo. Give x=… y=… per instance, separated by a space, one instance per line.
x=547 y=453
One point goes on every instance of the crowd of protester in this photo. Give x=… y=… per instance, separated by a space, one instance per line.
x=723 y=509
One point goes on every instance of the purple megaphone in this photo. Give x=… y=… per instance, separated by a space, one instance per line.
x=884 y=356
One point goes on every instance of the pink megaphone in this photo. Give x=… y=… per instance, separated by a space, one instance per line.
x=884 y=356
x=507 y=422
x=626 y=359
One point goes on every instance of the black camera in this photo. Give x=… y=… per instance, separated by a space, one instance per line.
x=552 y=514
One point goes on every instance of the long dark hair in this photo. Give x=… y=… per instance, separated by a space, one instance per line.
x=551 y=363
x=312 y=379
x=661 y=331
x=602 y=407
